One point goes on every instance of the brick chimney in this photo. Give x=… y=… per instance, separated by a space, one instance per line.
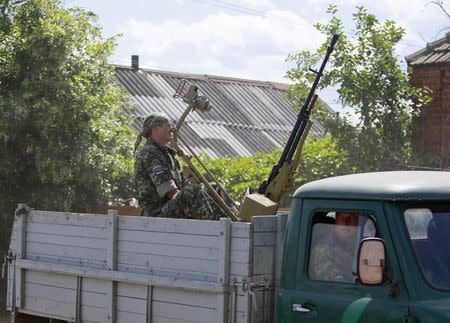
x=135 y=62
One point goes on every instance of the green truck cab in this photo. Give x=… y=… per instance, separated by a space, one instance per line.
x=397 y=260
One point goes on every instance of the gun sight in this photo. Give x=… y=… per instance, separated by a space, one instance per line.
x=189 y=94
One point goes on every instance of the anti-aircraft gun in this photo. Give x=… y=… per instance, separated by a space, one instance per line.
x=189 y=94
x=265 y=200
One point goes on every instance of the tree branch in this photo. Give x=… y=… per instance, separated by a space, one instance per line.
x=440 y=4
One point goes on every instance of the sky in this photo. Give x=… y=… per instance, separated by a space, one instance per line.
x=245 y=38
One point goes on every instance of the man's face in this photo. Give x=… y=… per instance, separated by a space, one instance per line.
x=346 y=223
x=162 y=133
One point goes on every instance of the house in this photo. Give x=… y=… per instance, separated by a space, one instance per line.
x=430 y=67
x=248 y=116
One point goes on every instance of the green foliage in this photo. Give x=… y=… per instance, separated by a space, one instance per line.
x=236 y=174
x=320 y=158
x=370 y=80
x=64 y=142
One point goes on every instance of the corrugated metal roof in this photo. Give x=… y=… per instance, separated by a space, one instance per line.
x=437 y=52
x=247 y=116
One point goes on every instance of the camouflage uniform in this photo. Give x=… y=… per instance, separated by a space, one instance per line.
x=157 y=172
x=332 y=260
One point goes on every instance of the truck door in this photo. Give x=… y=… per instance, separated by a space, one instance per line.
x=326 y=286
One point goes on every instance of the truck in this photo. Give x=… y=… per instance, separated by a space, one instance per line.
x=114 y=268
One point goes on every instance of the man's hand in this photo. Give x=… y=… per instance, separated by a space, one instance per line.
x=172 y=194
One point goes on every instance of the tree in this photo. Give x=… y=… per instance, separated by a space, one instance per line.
x=440 y=4
x=64 y=142
x=320 y=158
x=370 y=80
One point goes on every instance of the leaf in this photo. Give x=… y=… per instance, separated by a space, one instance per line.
x=65 y=143
x=371 y=81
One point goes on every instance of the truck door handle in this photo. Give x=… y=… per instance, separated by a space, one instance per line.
x=299 y=308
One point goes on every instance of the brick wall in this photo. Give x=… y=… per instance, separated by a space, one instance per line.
x=432 y=128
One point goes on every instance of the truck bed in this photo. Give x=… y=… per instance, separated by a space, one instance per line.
x=113 y=268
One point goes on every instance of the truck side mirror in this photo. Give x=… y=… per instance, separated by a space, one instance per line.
x=371 y=261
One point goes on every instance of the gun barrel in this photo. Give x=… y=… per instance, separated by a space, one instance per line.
x=302 y=129
x=302 y=119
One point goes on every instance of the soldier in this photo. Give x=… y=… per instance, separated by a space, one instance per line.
x=161 y=188
x=332 y=258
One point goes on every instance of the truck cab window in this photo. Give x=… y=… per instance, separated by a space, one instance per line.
x=429 y=231
x=334 y=244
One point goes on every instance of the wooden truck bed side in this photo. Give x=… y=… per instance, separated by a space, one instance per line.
x=97 y=268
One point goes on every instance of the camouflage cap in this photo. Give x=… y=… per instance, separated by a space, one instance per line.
x=152 y=120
